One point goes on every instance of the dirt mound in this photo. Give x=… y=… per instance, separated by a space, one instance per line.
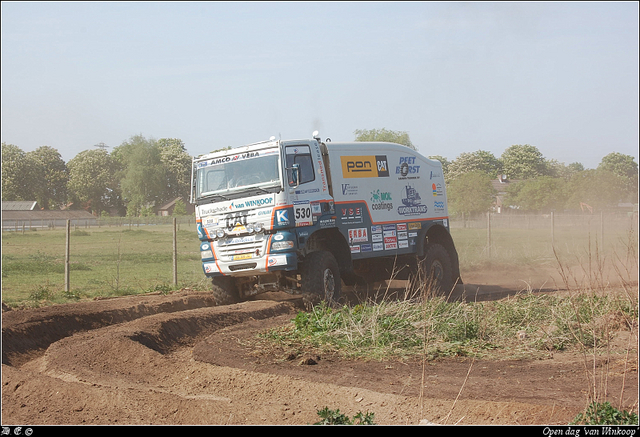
x=179 y=359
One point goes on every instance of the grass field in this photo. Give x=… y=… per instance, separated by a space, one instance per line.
x=112 y=261
x=103 y=262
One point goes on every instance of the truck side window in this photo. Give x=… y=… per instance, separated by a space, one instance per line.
x=300 y=155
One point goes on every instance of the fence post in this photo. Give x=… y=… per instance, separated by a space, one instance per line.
x=489 y=234
x=601 y=230
x=552 y=230
x=175 y=254
x=66 y=259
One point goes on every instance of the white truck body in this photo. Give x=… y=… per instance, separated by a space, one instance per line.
x=362 y=202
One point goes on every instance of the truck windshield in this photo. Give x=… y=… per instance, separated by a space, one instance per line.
x=237 y=173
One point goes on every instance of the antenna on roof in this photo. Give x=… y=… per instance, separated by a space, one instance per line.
x=101 y=145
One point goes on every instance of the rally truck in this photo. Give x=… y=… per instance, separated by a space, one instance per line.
x=306 y=216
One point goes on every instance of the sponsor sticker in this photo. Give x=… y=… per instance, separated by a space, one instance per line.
x=282 y=217
x=277 y=260
x=210 y=268
x=358 y=235
x=349 y=190
x=391 y=246
x=407 y=168
x=381 y=200
x=364 y=166
x=411 y=202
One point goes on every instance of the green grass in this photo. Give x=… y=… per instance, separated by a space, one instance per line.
x=533 y=247
x=103 y=262
x=529 y=325
x=113 y=261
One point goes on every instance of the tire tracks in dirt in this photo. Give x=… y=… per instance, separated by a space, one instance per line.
x=131 y=361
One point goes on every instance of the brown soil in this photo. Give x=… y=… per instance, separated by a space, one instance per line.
x=180 y=359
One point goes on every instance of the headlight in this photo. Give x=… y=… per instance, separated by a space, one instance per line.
x=220 y=233
x=204 y=254
x=281 y=245
x=254 y=227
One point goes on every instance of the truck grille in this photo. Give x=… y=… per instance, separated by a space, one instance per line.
x=241 y=248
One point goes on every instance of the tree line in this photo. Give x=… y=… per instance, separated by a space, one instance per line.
x=534 y=183
x=142 y=174
x=133 y=179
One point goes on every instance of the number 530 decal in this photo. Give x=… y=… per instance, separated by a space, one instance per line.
x=302 y=214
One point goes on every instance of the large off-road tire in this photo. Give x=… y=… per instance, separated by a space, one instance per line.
x=436 y=270
x=321 y=277
x=224 y=290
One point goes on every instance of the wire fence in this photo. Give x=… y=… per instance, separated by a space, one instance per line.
x=33 y=224
x=598 y=226
x=122 y=254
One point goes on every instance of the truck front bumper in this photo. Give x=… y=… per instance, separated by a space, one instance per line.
x=254 y=266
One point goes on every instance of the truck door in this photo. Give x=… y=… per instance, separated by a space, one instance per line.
x=309 y=195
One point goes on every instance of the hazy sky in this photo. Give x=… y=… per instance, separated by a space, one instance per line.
x=458 y=77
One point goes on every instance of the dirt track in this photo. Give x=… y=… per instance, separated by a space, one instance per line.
x=179 y=359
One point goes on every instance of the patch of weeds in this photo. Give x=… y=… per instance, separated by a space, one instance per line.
x=163 y=289
x=71 y=295
x=335 y=417
x=123 y=291
x=605 y=414
x=42 y=292
x=79 y=233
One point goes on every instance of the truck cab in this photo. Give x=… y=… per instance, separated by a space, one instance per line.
x=306 y=215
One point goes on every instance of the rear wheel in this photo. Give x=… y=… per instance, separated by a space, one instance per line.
x=321 y=276
x=436 y=269
x=225 y=291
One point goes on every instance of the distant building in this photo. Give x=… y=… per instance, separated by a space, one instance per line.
x=20 y=205
x=15 y=214
x=500 y=185
x=167 y=209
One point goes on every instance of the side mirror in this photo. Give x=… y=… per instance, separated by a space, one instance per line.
x=295 y=175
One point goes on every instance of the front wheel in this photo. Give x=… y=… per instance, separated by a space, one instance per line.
x=225 y=291
x=321 y=276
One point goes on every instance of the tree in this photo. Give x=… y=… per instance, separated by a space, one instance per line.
x=179 y=208
x=53 y=177
x=177 y=165
x=471 y=193
x=481 y=161
x=601 y=189
x=92 y=180
x=523 y=162
x=390 y=136
x=560 y=170
x=18 y=174
x=142 y=175
x=626 y=168
x=541 y=194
